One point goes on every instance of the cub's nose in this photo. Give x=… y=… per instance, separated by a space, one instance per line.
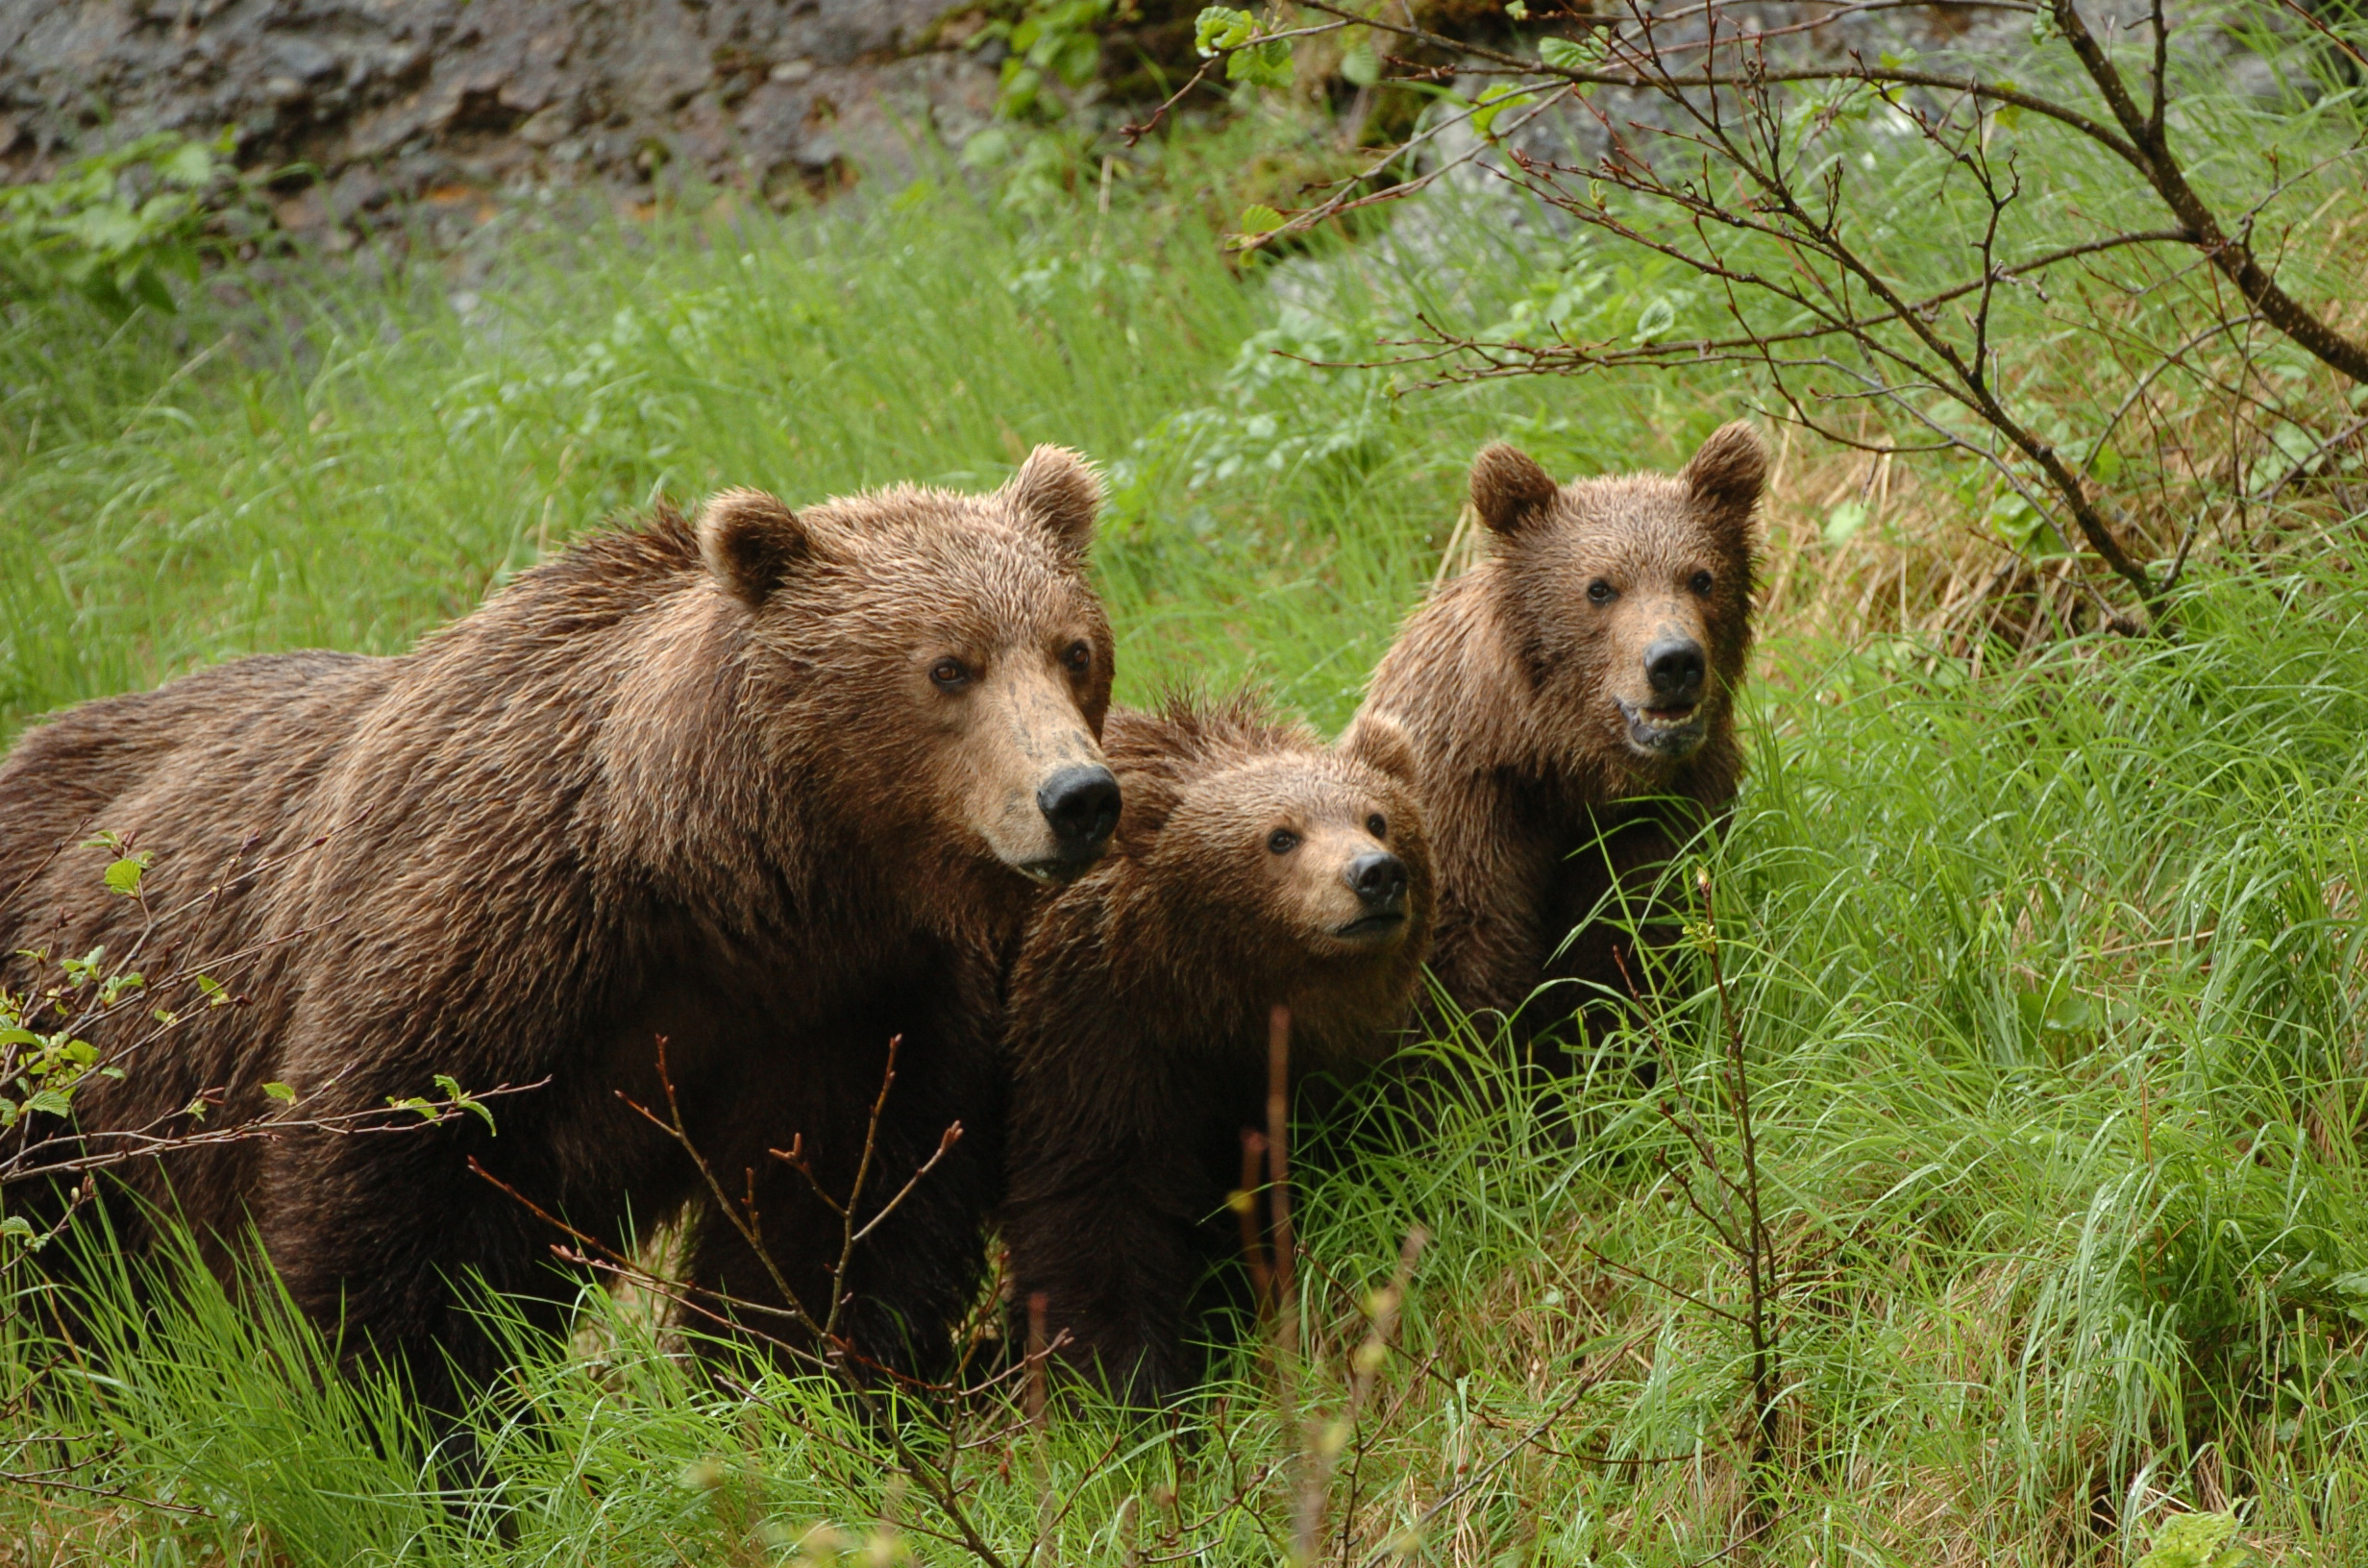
x=1082 y=806
x=1379 y=879
x=1676 y=667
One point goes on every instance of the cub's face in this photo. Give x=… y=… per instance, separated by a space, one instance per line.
x=1628 y=599
x=953 y=651
x=1316 y=856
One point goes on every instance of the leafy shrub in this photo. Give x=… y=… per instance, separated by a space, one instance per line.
x=114 y=225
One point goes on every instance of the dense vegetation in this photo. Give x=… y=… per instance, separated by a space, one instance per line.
x=2043 y=954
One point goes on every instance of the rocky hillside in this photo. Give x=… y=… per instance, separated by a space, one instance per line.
x=447 y=103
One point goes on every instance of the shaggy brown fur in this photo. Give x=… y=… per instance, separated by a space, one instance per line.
x=1141 y=999
x=760 y=786
x=1528 y=688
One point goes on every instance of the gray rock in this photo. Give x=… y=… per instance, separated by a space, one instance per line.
x=391 y=98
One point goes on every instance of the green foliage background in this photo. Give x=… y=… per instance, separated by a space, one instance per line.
x=2050 y=971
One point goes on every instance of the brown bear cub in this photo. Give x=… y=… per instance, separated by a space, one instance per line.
x=769 y=788
x=1571 y=700
x=1253 y=867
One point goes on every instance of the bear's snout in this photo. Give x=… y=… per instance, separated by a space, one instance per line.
x=1667 y=724
x=1081 y=807
x=1379 y=878
x=1676 y=668
x=1379 y=881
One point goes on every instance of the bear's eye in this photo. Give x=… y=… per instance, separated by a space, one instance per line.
x=1281 y=842
x=1079 y=658
x=1599 y=592
x=1377 y=825
x=950 y=673
x=1701 y=583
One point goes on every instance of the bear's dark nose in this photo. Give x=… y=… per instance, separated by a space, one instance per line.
x=1379 y=879
x=1676 y=667
x=1082 y=805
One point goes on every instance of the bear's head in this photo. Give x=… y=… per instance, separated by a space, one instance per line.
x=943 y=652
x=1297 y=870
x=1627 y=601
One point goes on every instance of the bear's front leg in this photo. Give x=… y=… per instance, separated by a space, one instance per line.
x=382 y=1240
x=918 y=1219
x=1115 y=1254
x=1608 y=901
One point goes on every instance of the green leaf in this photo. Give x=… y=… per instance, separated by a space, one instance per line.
x=123 y=876
x=2009 y=115
x=1079 y=57
x=1219 y=28
x=109 y=230
x=453 y=1092
x=2195 y=1540
x=1844 y=522
x=1360 y=63
x=1258 y=218
x=1495 y=101
x=2020 y=524
x=1656 y=319
x=2059 y=1010
x=142 y=281
x=195 y=1110
x=1265 y=65
x=281 y=1092
x=1572 y=55
x=190 y=166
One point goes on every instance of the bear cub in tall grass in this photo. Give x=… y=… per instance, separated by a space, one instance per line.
x=1571 y=700
x=759 y=791
x=1252 y=867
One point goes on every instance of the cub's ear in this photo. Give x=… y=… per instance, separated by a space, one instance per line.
x=1383 y=743
x=1730 y=469
x=1058 y=490
x=1509 y=489
x=751 y=541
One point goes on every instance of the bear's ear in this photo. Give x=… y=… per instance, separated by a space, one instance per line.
x=1383 y=743
x=1726 y=475
x=1058 y=490
x=751 y=541
x=1508 y=488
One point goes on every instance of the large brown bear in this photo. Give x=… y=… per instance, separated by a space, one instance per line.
x=770 y=787
x=1571 y=700
x=1253 y=867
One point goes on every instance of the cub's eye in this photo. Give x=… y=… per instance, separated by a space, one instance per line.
x=1377 y=825
x=1599 y=592
x=1079 y=658
x=1701 y=583
x=950 y=673
x=1281 y=842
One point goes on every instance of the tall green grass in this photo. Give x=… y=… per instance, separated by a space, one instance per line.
x=322 y=460
x=2049 y=975
x=2052 y=988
